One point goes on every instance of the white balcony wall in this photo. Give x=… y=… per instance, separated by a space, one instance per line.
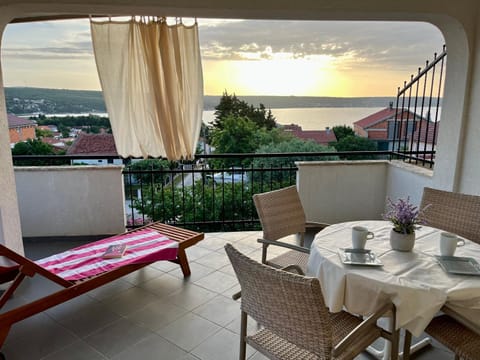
x=70 y=201
x=337 y=191
x=456 y=167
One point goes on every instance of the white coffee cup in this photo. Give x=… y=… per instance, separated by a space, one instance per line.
x=360 y=235
x=449 y=243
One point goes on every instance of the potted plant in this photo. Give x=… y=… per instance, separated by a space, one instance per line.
x=405 y=218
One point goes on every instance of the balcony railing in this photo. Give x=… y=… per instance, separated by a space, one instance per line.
x=211 y=193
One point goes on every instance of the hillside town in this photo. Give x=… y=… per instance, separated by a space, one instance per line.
x=378 y=127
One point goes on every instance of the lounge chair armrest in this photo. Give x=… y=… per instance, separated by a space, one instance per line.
x=363 y=327
x=285 y=245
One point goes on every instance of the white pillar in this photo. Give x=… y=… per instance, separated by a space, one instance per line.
x=10 y=234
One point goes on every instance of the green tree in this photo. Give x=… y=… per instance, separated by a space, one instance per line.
x=237 y=135
x=232 y=105
x=293 y=145
x=33 y=147
x=356 y=143
x=215 y=204
x=342 y=131
x=149 y=171
x=39 y=133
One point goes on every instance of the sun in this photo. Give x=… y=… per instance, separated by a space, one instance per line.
x=278 y=75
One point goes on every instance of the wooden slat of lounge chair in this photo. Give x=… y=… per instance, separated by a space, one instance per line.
x=185 y=238
x=72 y=289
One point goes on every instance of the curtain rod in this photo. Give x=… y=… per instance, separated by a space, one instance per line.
x=53 y=17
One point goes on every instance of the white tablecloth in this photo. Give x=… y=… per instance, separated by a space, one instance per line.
x=414 y=281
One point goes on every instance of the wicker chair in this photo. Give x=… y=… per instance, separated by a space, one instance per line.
x=454 y=212
x=295 y=322
x=281 y=214
x=458 y=338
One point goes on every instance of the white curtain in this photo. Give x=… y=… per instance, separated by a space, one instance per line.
x=152 y=82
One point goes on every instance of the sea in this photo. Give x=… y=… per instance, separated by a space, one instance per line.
x=310 y=118
x=314 y=118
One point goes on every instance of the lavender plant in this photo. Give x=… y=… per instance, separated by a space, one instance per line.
x=404 y=216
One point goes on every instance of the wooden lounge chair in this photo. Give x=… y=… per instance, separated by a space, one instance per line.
x=296 y=323
x=76 y=280
x=281 y=214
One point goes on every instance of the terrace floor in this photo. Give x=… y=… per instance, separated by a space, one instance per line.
x=151 y=314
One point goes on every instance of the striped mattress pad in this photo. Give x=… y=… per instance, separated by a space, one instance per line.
x=142 y=246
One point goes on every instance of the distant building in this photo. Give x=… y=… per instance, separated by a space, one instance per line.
x=20 y=129
x=94 y=145
x=380 y=126
x=322 y=137
x=424 y=138
x=52 y=128
x=57 y=144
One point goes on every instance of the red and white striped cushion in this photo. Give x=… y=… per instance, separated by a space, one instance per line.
x=85 y=261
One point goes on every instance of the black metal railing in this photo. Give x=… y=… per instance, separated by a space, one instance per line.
x=211 y=193
x=414 y=132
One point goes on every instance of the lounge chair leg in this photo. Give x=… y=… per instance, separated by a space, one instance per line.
x=243 y=335
x=183 y=261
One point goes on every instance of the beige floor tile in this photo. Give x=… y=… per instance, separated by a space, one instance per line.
x=156 y=315
x=223 y=345
x=189 y=331
x=153 y=347
x=217 y=281
x=117 y=337
x=189 y=297
x=130 y=300
x=220 y=310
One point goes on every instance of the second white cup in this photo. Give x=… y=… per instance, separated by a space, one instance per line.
x=360 y=235
x=449 y=243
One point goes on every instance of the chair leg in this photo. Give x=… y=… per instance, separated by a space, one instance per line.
x=243 y=335
x=264 y=253
x=406 y=345
x=395 y=340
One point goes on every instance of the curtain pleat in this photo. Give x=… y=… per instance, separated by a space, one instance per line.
x=152 y=82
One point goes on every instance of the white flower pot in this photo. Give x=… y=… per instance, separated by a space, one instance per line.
x=402 y=242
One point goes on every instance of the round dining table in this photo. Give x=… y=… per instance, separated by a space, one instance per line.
x=414 y=281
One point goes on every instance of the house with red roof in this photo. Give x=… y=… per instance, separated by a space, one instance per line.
x=94 y=145
x=20 y=129
x=322 y=137
x=424 y=138
x=380 y=126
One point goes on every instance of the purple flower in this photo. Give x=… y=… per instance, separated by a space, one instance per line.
x=404 y=216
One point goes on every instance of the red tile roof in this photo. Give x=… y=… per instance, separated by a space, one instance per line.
x=15 y=121
x=93 y=144
x=382 y=115
x=323 y=137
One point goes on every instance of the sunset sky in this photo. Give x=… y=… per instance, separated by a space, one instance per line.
x=246 y=57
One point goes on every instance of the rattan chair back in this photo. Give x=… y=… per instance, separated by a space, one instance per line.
x=281 y=213
x=289 y=305
x=454 y=212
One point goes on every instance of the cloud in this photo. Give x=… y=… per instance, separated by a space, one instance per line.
x=394 y=45
x=368 y=44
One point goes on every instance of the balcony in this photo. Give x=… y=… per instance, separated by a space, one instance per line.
x=151 y=314
x=155 y=311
